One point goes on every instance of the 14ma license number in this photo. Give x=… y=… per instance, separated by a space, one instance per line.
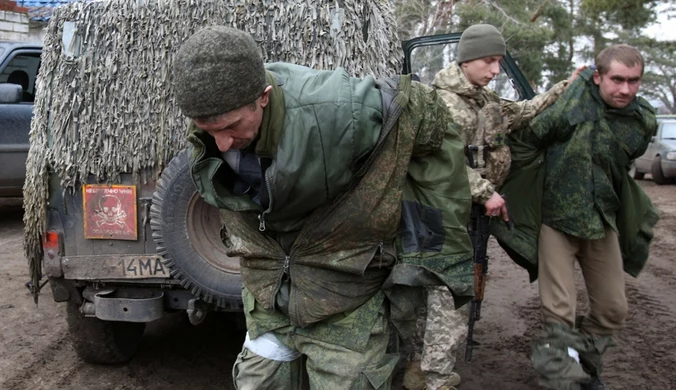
x=143 y=267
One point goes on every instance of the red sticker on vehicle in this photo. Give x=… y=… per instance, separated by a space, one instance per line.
x=110 y=212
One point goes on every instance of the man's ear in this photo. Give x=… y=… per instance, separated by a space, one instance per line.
x=265 y=97
x=597 y=77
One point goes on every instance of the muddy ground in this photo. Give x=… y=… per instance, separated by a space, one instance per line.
x=35 y=352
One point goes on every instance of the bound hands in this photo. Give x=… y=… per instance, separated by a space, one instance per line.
x=496 y=206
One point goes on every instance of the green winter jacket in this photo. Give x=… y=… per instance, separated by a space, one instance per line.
x=569 y=171
x=336 y=184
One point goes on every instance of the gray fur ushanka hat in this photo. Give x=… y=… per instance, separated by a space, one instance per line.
x=217 y=70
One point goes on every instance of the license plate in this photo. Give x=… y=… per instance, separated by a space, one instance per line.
x=143 y=267
x=101 y=267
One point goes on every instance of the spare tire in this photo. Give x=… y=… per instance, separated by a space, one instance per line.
x=187 y=232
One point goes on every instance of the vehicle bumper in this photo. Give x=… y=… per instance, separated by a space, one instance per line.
x=123 y=305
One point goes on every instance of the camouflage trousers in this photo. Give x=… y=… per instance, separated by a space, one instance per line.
x=329 y=366
x=440 y=332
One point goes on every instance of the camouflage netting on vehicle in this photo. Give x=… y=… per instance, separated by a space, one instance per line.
x=104 y=101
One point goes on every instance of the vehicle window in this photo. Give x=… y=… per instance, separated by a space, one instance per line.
x=22 y=70
x=669 y=131
x=427 y=61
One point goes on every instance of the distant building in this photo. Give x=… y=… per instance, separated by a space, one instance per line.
x=26 y=20
x=14 y=25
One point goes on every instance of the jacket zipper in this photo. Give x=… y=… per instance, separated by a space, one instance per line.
x=261 y=216
x=287 y=262
x=262 y=228
x=261 y=222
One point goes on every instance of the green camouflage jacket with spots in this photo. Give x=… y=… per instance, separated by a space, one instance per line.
x=570 y=171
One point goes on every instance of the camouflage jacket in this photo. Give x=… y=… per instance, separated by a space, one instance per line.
x=330 y=149
x=485 y=120
x=570 y=171
x=589 y=149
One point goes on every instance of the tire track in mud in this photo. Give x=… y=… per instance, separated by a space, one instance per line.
x=37 y=354
x=644 y=357
x=529 y=312
x=666 y=275
x=661 y=264
x=48 y=361
x=651 y=324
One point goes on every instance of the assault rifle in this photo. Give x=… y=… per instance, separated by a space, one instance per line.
x=478 y=232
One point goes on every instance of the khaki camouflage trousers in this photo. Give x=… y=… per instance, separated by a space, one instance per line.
x=440 y=332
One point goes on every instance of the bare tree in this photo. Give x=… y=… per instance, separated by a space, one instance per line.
x=424 y=17
x=659 y=81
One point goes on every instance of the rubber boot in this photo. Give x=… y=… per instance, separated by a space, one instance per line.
x=451 y=383
x=414 y=377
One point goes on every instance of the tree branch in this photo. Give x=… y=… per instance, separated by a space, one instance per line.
x=501 y=10
x=538 y=11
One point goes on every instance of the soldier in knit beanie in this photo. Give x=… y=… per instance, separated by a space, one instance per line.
x=217 y=70
x=480 y=41
x=485 y=120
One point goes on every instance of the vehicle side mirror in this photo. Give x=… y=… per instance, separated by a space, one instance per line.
x=652 y=139
x=10 y=93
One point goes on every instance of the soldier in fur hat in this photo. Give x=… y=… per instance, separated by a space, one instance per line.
x=323 y=185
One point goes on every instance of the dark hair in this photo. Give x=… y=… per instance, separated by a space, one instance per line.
x=625 y=54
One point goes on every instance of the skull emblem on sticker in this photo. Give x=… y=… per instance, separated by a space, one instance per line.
x=110 y=212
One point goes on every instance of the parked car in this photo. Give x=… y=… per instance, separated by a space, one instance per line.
x=659 y=160
x=19 y=63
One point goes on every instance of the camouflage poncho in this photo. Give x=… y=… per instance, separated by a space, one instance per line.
x=589 y=149
x=569 y=171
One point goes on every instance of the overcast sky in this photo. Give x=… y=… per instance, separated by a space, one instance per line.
x=664 y=29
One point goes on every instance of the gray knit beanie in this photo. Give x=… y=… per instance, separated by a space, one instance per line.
x=480 y=41
x=217 y=70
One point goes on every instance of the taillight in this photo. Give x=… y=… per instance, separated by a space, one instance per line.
x=51 y=247
x=51 y=241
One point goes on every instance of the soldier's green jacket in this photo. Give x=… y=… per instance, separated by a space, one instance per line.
x=343 y=169
x=570 y=172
